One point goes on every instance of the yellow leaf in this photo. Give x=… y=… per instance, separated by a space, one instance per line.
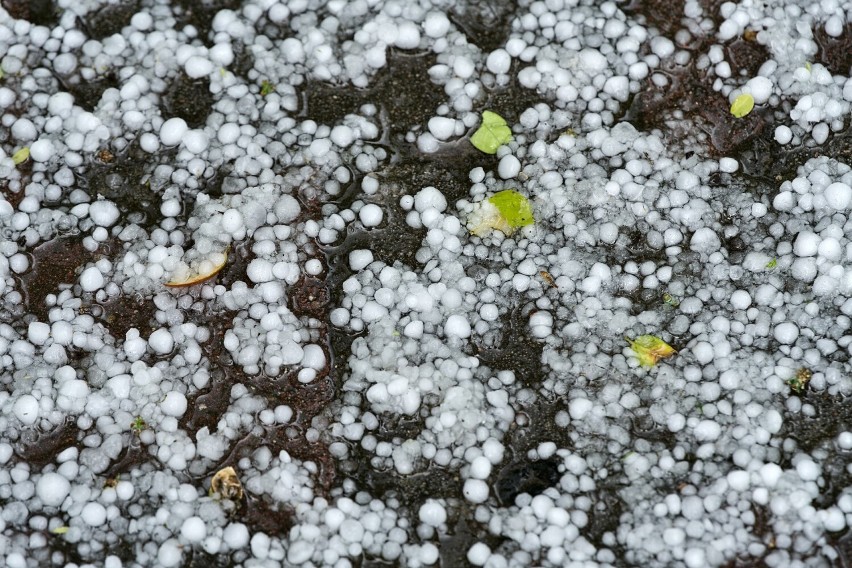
x=59 y=530
x=199 y=271
x=649 y=349
x=742 y=105
x=21 y=155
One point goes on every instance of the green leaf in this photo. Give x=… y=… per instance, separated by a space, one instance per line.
x=800 y=380
x=670 y=300
x=513 y=207
x=742 y=105
x=649 y=349
x=266 y=88
x=772 y=263
x=21 y=155
x=492 y=133
x=504 y=211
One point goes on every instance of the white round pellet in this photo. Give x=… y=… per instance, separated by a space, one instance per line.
x=26 y=409
x=196 y=141
x=728 y=165
x=172 y=131
x=161 y=341
x=838 y=196
x=371 y=215
x=104 y=213
x=480 y=467
x=478 y=554
x=457 y=326
x=197 y=67
x=91 y=279
x=93 y=514
x=475 y=491
x=509 y=166
x=436 y=24
x=193 y=529
x=783 y=134
x=174 y=404
x=786 y=333
x=42 y=150
x=52 y=489
x=432 y=513
x=760 y=89
x=170 y=553
x=360 y=259
x=498 y=61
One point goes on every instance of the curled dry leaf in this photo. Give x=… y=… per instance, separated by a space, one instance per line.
x=649 y=349
x=198 y=271
x=226 y=485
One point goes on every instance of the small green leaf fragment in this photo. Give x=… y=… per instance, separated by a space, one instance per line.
x=504 y=211
x=59 y=530
x=800 y=380
x=513 y=207
x=21 y=155
x=649 y=349
x=492 y=133
x=670 y=300
x=138 y=425
x=772 y=263
x=742 y=105
x=266 y=88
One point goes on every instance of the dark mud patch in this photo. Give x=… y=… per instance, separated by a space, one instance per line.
x=834 y=52
x=38 y=12
x=664 y=15
x=309 y=297
x=526 y=476
x=832 y=415
x=509 y=102
x=87 y=93
x=200 y=14
x=109 y=19
x=132 y=456
x=39 y=448
x=122 y=178
x=402 y=88
x=189 y=99
x=508 y=346
x=745 y=55
x=124 y=313
x=485 y=24
x=54 y=263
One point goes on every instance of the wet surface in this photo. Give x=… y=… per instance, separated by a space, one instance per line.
x=404 y=92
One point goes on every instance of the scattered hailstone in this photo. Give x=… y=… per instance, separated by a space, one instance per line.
x=504 y=211
x=492 y=133
x=198 y=270
x=742 y=105
x=649 y=349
